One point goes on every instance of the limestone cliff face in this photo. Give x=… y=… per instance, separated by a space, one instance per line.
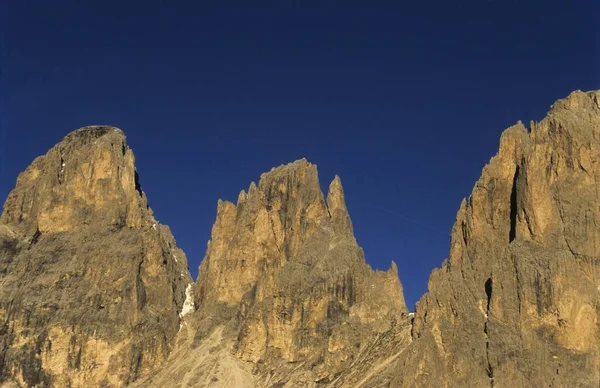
x=284 y=260
x=284 y=295
x=91 y=285
x=93 y=292
x=516 y=303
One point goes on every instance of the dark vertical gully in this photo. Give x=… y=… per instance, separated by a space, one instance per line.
x=513 y=208
x=488 y=293
x=138 y=187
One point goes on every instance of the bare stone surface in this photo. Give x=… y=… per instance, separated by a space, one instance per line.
x=284 y=264
x=90 y=283
x=516 y=303
x=94 y=292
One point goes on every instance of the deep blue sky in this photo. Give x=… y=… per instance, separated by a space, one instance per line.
x=405 y=101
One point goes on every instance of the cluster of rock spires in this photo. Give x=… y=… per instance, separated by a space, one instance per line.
x=95 y=292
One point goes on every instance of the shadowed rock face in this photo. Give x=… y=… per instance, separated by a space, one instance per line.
x=90 y=284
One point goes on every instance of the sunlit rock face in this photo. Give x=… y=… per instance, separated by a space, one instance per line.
x=94 y=292
x=91 y=285
x=284 y=262
x=516 y=303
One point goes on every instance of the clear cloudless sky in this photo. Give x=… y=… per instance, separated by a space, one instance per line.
x=405 y=100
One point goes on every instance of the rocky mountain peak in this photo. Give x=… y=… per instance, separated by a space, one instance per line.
x=335 y=195
x=577 y=100
x=283 y=267
x=523 y=269
x=89 y=177
x=91 y=285
x=94 y=292
x=300 y=170
x=336 y=204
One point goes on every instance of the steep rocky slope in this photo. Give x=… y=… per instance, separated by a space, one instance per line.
x=516 y=303
x=91 y=285
x=94 y=292
x=287 y=289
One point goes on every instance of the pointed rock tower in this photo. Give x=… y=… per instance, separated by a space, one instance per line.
x=287 y=289
x=285 y=261
x=91 y=285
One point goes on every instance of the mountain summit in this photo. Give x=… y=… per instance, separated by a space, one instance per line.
x=287 y=288
x=94 y=291
x=516 y=303
x=91 y=285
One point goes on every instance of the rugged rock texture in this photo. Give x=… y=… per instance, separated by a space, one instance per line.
x=516 y=303
x=287 y=288
x=91 y=286
x=93 y=292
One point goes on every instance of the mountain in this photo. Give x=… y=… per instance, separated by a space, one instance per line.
x=91 y=285
x=94 y=292
x=287 y=290
x=516 y=303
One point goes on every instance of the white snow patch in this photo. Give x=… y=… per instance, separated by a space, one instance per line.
x=154 y=226
x=175 y=257
x=188 y=304
x=411 y=314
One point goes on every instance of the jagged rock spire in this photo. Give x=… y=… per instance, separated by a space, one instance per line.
x=284 y=263
x=93 y=294
x=336 y=204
